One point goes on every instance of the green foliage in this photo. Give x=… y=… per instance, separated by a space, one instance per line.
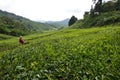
x=11 y=27
x=112 y=5
x=2 y=37
x=77 y=24
x=12 y=24
x=103 y=19
x=118 y=5
x=76 y=54
x=108 y=6
x=101 y=14
x=72 y=20
x=98 y=6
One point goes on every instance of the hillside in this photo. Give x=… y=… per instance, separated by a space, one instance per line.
x=103 y=19
x=102 y=14
x=73 y=54
x=12 y=24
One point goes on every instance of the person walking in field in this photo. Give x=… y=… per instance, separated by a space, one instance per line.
x=21 y=40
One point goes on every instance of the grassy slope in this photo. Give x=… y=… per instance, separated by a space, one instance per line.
x=75 y=54
x=3 y=36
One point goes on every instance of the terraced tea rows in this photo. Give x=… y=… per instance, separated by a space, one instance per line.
x=76 y=54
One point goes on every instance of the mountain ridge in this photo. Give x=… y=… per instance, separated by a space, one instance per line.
x=61 y=23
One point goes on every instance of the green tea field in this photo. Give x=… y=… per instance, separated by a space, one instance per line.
x=70 y=54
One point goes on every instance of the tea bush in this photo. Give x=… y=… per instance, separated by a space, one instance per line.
x=75 y=54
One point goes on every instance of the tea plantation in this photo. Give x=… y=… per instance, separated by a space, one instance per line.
x=71 y=54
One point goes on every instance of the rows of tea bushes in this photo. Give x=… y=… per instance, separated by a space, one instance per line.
x=82 y=54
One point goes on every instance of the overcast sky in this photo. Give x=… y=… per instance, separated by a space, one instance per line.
x=47 y=10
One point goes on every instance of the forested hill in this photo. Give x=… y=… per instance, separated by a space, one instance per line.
x=12 y=24
x=102 y=14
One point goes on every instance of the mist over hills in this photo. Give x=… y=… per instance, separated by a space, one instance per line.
x=62 y=23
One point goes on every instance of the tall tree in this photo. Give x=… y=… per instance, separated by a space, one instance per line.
x=72 y=20
x=98 y=6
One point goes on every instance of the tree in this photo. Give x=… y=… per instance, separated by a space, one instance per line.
x=72 y=20
x=94 y=1
x=108 y=6
x=118 y=5
x=98 y=6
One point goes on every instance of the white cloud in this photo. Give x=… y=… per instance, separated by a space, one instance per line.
x=46 y=9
